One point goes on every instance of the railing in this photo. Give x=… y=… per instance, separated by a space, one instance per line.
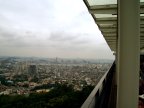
x=99 y=97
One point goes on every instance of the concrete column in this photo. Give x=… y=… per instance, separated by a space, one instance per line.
x=129 y=50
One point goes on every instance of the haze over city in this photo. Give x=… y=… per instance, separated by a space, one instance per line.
x=50 y=28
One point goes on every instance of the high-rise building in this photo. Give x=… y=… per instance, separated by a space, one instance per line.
x=32 y=70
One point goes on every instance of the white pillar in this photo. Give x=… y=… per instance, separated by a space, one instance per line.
x=128 y=57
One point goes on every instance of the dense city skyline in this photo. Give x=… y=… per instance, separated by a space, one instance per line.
x=17 y=72
x=54 y=28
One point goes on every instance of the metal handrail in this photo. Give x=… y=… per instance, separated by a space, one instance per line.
x=91 y=100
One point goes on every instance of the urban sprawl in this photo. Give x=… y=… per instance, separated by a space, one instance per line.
x=19 y=75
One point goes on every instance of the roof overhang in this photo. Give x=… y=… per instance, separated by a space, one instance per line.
x=105 y=16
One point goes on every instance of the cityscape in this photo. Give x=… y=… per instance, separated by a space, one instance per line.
x=71 y=54
x=52 y=55
x=25 y=75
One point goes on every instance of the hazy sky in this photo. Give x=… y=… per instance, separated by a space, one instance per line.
x=50 y=28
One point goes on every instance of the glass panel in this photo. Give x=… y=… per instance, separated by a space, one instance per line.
x=104 y=15
x=101 y=2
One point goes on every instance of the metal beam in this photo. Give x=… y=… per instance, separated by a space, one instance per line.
x=109 y=9
x=111 y=41
x=107 y=25
x=109 y=38
x=114 y=25
x=103 y=9
x=115 y=30
x=107 y=19
x=142 y=25
x=109 y=30
x=110 y=34
x=113 y=20
x=107 y=22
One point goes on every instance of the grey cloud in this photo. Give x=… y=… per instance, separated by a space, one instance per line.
x=10 y=38
x=61 y=36
x=80 y=42
x=71 y=38
x=5 y=34
x=21 y=22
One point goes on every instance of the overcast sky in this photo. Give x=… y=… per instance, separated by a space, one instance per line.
x=50 y=28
